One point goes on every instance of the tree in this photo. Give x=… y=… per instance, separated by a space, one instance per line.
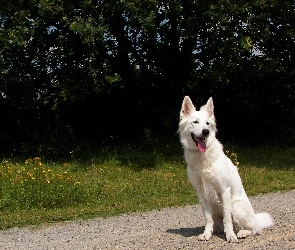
x=89 y=71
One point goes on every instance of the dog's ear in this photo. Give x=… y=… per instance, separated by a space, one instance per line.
x=187 y=107
x=209 y=107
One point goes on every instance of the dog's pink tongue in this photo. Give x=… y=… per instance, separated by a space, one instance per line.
x=201 y=145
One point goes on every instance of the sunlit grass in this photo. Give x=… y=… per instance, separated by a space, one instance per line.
x=34 y=185
x=110 y=181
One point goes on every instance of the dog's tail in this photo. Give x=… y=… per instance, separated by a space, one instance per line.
x=263 y=221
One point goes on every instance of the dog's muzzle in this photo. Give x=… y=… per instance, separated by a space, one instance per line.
x=200 y=141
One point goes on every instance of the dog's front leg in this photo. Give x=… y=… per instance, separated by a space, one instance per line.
x=209 y=222
x=227 y=216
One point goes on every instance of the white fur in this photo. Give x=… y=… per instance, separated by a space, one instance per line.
x=216 y=180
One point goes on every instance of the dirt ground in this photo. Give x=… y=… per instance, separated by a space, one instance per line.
x=170 y=228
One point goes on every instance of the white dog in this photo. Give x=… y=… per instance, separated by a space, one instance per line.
x=216 y=180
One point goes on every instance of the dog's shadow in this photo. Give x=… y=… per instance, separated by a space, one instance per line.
x=187 y=232
x=192 y=232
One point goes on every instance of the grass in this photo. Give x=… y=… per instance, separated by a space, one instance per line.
x=111 y=181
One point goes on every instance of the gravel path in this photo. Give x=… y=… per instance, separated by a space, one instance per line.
x=170 y=228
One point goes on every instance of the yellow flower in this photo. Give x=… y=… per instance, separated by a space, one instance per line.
x=48 y=181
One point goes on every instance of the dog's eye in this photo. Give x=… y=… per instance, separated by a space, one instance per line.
x=195 y=122
x=207 y=123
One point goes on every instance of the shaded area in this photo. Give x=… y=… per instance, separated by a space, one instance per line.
x=82 y=74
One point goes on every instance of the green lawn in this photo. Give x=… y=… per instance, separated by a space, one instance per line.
x=112 y=181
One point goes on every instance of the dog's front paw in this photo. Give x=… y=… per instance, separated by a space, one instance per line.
x=231 y=238
x=204 y=236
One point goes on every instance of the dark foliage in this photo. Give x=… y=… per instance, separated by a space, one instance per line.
x=94 y=72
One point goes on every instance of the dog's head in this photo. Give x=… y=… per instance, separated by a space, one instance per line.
x=196 y=127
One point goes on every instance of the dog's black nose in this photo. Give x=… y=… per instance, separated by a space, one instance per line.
x=205 y=132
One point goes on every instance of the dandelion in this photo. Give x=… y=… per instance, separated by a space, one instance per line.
x=34 y=175
x=234 y=155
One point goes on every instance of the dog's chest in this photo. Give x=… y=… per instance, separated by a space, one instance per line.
x=203 y=182
x=204 y=175
x=206 y=184
x=201 y=171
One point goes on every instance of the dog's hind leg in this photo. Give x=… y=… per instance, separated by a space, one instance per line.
x=244 y=216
